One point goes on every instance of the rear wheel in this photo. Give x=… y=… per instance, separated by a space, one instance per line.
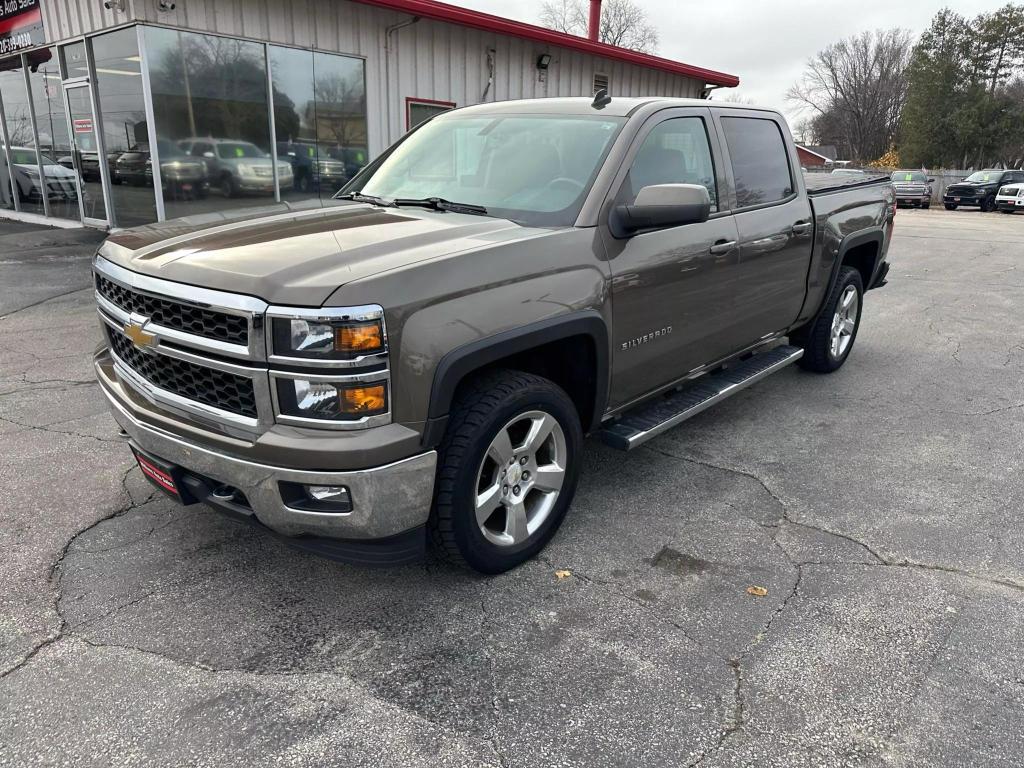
x=507 y=470
x=828 y=340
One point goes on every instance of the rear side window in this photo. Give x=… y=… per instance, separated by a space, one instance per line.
x=674 y=152
x=760 y=163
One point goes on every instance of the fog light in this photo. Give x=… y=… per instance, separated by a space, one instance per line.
x=328 y=499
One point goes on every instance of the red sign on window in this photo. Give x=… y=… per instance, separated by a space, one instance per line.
x=83 y=125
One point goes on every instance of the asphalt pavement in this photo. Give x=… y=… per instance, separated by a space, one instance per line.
x=878 y=507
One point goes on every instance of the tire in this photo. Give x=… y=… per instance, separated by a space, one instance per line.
x=228 y=188
x=817 y=338
x=1005 y=210
x=951 y=206
x=512 y=403
x=925 y=206
x=988 y=204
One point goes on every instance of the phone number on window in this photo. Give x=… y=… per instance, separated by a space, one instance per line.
x=15 y=42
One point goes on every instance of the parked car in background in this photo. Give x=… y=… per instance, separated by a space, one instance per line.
x=912 y=188
x=1010 y=198
x=312 y=174
x=90 y=165
x=848 y=172
x=238 y=167
x=60 y=183
x=181 y=175
x=979 y=190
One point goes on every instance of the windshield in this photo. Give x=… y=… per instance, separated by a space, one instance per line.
x=236 y=149
x=912 y=176
x=984 y=176
x=532 y=169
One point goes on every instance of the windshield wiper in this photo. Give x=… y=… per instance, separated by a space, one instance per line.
x=440 y=204
x=359 y=197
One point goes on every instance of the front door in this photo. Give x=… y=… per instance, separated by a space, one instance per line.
x=86 y=159
x=670 y=288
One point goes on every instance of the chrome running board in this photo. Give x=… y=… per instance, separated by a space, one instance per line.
x=651 y=419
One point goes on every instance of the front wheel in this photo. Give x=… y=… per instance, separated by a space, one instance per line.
x=828 y=340
x=988 y=204
x=950 y=207
x=507 y=470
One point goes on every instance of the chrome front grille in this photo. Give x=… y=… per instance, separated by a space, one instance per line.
x=216 y=389
x=233 y=329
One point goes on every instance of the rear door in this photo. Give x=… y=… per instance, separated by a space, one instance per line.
x=670 y=287
x=774 y=222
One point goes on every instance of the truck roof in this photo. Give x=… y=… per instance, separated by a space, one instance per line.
x=617 y=107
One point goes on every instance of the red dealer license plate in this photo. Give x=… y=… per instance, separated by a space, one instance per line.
x=159 y=473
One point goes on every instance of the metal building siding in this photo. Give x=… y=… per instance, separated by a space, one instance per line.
x=428 y=59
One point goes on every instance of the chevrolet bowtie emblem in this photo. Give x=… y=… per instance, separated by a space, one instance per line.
x=140 y=337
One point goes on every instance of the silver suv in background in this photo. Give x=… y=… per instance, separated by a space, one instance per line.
x=913 y=188
x=238 y=167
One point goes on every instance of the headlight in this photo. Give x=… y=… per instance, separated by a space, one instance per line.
x=245 y=170
x=343 y=334
x=321 y=399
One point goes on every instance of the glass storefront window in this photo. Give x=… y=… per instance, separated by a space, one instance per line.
x=319 y=119
x=125 y=131
x=24 y=170
x=51 y=122
x=340 y=90
x=291 y=71
x=210 y=102
x=75 y=64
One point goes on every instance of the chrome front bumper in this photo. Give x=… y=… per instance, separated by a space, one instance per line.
x=386 y=500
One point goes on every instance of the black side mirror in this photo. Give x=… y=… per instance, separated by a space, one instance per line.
x=662 y=205
x=931 y=180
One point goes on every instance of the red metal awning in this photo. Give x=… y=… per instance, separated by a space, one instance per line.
x=431 y=9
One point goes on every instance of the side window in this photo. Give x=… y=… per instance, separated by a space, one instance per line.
x=675 y=152
x=760 y=163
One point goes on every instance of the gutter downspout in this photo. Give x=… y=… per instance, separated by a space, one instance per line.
x=595 y=20
x=387 y=75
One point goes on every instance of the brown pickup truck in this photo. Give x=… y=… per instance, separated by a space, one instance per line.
x=421 y=359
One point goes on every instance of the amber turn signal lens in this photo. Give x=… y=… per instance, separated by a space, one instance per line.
x=365 y=400
x=364 y=337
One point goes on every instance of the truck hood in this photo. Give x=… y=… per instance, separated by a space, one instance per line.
x=300 y=258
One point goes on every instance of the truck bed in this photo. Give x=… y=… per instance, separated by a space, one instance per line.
x=825 y=183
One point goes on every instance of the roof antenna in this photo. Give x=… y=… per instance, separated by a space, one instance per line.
x=601 y=99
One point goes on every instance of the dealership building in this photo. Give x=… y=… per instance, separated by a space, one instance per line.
x=126 y=112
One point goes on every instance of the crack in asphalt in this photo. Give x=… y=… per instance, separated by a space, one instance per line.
x=54 y=579
x=49 y=428
x=43 y=301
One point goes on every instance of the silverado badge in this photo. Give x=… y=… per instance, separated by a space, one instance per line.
x=140 y=337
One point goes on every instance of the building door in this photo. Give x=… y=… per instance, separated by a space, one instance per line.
x=87 y=160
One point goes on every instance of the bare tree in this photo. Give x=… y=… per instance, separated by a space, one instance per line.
x=623 y=22
x=857 y=87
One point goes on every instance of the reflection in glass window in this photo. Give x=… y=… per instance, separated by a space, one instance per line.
x=295 y=120
x=125 y=134
x=48 y=102
x=24 y=171
x=210 y=100
x=759 y=158
x=419 y=110
x=319 y=119
x=675 y=152
x=340 y=90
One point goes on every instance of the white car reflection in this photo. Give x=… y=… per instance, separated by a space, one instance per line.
x=60 y=183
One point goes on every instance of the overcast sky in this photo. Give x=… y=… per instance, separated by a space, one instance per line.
x=764 y=42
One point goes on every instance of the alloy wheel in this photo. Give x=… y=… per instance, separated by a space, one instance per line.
x=844 y=322
x=520 y=478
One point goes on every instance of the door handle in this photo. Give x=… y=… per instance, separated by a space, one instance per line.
x=802 y=227
x=722 y=246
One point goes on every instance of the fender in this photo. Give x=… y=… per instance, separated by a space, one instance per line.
x=872 y=235
x=461 y=361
